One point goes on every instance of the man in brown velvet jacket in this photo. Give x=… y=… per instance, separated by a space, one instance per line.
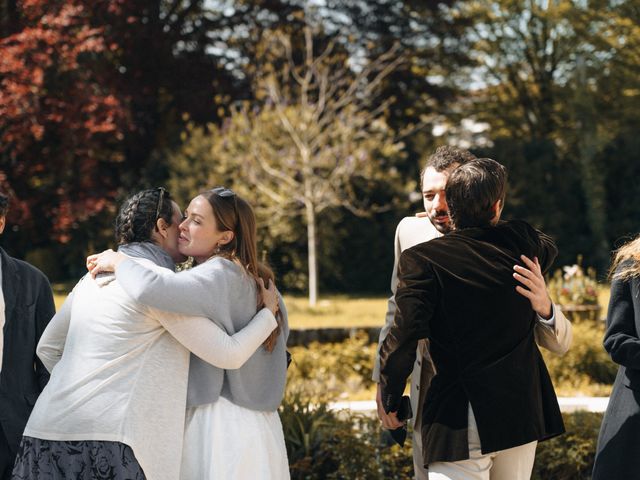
x=491 y=399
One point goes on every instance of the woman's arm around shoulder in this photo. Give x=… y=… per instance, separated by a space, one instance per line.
x=190 y=292
x=212 y=344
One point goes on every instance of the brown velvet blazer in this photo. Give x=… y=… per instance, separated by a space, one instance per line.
x=459 y=292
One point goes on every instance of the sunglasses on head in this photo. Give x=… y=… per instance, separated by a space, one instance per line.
x=162 y=191
x=223 y=192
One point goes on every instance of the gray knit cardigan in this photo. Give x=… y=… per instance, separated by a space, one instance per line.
x=222 y=291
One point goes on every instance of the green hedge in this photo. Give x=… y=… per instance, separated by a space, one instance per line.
x=586 y=369
x=569 y=456
x=330 y=371
x=322 y=444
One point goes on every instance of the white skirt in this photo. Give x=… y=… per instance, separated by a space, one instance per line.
x=224 y=441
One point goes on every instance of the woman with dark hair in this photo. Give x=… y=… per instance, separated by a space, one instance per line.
x=115 y=405
x=617 y=450
x=232 y=430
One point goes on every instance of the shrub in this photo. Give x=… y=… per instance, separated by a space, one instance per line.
x=309 y=430
x=586 y=368
x=323 y=444
x=327 y=371
x=573 y=286
x=569 y=456
x=330 y=371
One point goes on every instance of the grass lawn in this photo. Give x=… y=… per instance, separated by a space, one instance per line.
x=354 y=311
x=332 y=311
x=336 y=311
x=59 y=299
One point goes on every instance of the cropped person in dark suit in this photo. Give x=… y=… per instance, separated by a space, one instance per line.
x=617 y=451
x=26 y=306
x=491 y=399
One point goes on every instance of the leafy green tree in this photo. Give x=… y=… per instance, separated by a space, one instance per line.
x=424 y=88
x=545 y=67
x=317 y=142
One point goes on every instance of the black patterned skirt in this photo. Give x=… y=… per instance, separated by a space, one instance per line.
x=82 y=460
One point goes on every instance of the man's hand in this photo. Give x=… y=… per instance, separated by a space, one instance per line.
x=536 y=288
x=389 y=420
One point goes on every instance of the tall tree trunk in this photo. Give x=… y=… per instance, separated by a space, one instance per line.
x=312 y=258
x=592 y=173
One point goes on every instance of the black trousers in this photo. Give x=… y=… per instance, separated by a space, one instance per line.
x=7 y=457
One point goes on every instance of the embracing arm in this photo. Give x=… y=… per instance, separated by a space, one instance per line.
x=554 y=334
x=415 y=298
x=552 y=329
x=51 y=344
x=391 y=306
x=45 y=310
x=189 y=292
x=547 y=252
x=212 y=344
x=621 y=338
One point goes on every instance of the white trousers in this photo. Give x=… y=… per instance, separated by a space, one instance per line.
x=511 y=464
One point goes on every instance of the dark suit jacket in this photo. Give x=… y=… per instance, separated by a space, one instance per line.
x=459 y=292
x=617 y=451
x=28 y=308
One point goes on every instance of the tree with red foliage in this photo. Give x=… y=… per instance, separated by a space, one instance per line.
x=93 y=91
x=60 y=120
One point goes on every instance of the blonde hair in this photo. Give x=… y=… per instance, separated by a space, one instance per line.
x=234 y=214
x=629 y=251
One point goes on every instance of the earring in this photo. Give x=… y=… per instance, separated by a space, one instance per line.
x=217 y=250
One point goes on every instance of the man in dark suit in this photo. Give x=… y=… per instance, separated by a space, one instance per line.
x=491 y=400
x=26 y=306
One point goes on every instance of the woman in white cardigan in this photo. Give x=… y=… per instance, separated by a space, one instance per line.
x=233 y=429
x=114 y=407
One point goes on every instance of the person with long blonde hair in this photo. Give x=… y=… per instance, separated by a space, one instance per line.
x=617 y=450
x=232 y=429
